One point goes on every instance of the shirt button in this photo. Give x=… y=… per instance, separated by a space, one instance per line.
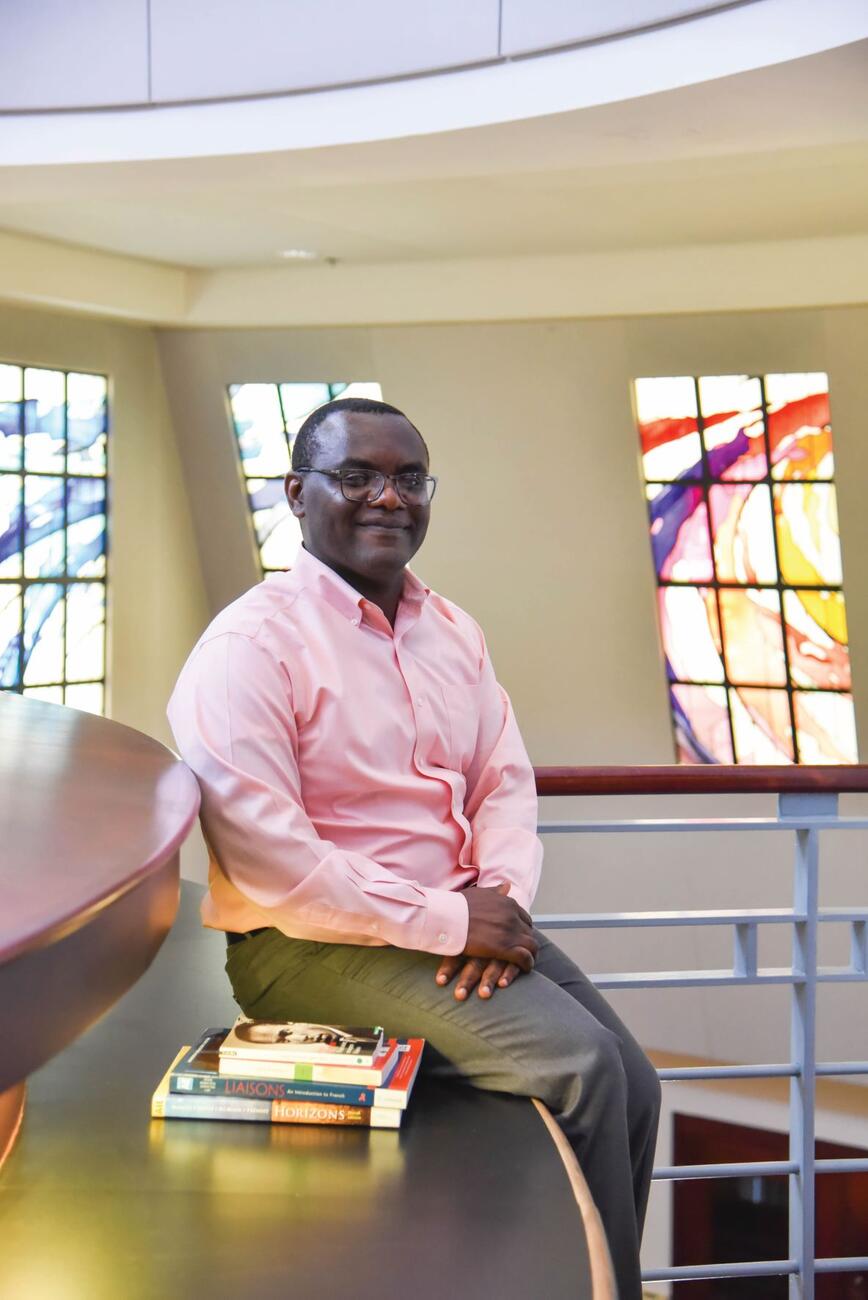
x=441 y=938
x=419 y=701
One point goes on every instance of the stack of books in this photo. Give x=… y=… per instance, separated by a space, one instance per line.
x=291 y=1073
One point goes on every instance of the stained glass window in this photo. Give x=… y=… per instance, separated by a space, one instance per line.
x=744 y=535
x=53 y=503
x=266 y=418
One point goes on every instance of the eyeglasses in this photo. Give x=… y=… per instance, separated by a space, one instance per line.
x=369 y=484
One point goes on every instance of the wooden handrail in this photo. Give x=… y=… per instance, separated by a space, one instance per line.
x=704 y=779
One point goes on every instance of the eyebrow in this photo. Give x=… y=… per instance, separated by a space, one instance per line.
x=356 y=462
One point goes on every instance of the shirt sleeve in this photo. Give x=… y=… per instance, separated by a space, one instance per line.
x=501 y=799
x=232 y=717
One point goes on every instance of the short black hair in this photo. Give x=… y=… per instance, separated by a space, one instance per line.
x=308 y=440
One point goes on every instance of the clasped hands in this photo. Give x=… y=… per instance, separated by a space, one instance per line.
x=500 y=944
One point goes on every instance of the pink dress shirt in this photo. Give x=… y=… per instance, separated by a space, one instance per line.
x=354 y=779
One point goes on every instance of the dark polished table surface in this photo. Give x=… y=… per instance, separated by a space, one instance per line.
x=98 y=1202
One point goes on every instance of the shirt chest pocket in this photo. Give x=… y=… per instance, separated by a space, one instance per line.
x=463 y=704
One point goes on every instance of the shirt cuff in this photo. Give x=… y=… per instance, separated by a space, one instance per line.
x=446 y=923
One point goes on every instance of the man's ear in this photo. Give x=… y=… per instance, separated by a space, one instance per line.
x=293 y=486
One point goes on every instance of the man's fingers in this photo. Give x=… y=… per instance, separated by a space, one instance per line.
x=509 y=973
x=448 y=967
x=469 y=978
x=491 y=977
x=521 y=958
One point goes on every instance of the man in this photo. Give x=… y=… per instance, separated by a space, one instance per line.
x=371 y=813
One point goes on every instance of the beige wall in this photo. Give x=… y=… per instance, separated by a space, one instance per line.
x=540 y=530
x=539 y=525
x=157 y=604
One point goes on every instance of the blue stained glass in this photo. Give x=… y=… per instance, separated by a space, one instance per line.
x=86 y=397
x=259 y=426
x=10 y=417
x=43 y=633
x=44 y=420
x=10 y=633
x=53 y=511
x=11 y=492
x=266 y=418
x=43 y=527
x=86 y=531
x=85 y=638
x=299 y=400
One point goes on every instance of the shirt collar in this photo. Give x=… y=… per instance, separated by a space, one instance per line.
x=331 y=587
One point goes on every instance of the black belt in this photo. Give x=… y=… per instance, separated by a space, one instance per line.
x=233 y=936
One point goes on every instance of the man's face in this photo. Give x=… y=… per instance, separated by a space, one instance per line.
x=372 y=540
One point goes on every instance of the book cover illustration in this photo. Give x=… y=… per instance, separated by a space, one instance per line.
x=302 y=1042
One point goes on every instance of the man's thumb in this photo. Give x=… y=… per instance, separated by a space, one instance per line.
x=504 y=888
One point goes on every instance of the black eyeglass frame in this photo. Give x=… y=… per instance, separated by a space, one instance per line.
x=377 y=474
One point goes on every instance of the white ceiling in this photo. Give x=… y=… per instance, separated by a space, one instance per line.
x=780 y=152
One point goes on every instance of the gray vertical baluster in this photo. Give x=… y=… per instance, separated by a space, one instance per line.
x=803 y=1054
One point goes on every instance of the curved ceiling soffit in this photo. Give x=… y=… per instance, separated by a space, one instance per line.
x=705 y=48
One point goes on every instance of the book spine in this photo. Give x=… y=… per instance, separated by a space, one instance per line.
x=210 y=1085
x=171 y=1106
x=238 y=1069
x=299 y=1056
x=309 y=1112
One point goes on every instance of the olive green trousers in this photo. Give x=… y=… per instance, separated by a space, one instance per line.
x=549 y=1035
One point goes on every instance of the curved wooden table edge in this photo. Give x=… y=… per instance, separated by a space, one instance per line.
x=11 y=1117
x=90 y=908
x=602 y=1275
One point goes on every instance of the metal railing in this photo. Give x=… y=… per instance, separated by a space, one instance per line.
x=807 y=803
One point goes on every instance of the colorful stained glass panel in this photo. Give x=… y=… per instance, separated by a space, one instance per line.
x=43 y=633
x=752 y=636
x=266 y=418
x=89 y=697
x=744 y=541
x=733 y=428
x=806 y=517
x=86 y=528
x=260 y=429
x=825 y=727
x=298 y=400
x=87 y=417
x=679 y=534
x=53 y=488
x=44 y=539
x=799 y=422
x=690 y=632
x=772 y=519
x=44 y=420
x=701 y=721
x=11 y=501
x=817 y=647
x=11 y=395
x=85 y=641
x=761 y=725
x=668 y=429
x=10 y=633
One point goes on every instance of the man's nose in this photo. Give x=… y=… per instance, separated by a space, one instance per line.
x=388 y=498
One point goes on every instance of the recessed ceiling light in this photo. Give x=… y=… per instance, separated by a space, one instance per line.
x=299 y=254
